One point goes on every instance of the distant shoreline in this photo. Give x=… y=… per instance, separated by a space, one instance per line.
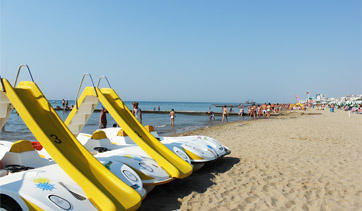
x=202 y=113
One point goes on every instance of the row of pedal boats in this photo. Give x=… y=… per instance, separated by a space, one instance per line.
x=33 y=176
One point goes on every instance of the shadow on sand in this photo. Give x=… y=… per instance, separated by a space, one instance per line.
x=165 y=197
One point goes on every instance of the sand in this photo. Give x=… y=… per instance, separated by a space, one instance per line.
x=298 y=161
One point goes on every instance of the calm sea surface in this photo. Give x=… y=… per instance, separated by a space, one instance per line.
x=15 y=129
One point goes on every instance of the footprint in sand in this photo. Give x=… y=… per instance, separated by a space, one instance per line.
x=250 y=199
x=274 y=201
x=289 y=204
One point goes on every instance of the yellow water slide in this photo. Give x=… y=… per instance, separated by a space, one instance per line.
x=169 y=161
x=103 y=188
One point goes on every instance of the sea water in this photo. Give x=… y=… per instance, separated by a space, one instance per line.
x=15 y=129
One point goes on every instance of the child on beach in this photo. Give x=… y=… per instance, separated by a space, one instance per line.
x=241 y=111
x=211 y=114
x=172 y=117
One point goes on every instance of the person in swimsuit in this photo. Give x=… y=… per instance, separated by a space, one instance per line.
x=137 y=112
x=241 y=111
x=172 y=117
x=211 y=114
x=63 y=103
x=268 y=110
x=103 y=118
x=264 y=110
x=225 y=114
x=253 y=109
x=258 y=111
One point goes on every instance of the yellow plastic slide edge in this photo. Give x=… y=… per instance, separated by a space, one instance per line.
x=103 y=188
x=169 y=161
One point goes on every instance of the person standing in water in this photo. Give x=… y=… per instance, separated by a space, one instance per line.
x=225 y=114
x=241 y=113
x=211 y=114
x=172 y=117
x=137 y=112
x=103 y=118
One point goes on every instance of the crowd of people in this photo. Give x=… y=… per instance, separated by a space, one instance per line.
x=263 y=111
x=65 y=106
x=356 y=108
x=254 y=111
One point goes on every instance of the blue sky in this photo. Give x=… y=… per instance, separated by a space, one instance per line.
x=211 y=51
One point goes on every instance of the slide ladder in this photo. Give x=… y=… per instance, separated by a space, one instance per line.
x=105 y=190
x=81 y=113
x=169 y=161
x=5 y=109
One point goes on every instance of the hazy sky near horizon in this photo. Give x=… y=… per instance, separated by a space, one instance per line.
x=204 y=50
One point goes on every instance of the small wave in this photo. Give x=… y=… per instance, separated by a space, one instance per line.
x=160 y=126
x=193 y=127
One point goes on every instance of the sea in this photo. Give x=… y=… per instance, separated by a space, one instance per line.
x=15 y=129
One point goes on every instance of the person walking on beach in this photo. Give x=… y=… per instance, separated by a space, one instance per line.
x=268 y=110
x=253 y=110
x=103 y=118
x=258 y=111
x=225 y=114
x=137 y=112
x=172 y=117
x=332 y=107
x=264 y=110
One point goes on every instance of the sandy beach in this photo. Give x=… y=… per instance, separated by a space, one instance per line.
x=298 y=161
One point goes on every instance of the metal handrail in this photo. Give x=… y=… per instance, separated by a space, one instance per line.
x=81 y=83
x=99 y=81
x=17 y=75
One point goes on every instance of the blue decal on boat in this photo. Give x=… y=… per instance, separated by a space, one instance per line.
x=43 y=184
x=108 y=165
x=135 y=186
x=210 y=147
x=137 y=158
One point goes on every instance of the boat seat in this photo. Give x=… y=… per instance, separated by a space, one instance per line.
x=23 y=153
x=122 y=133
x=152 y=130
x=123 y=138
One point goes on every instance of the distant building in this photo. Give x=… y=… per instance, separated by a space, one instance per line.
x=350 y=100
x=320 y=97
